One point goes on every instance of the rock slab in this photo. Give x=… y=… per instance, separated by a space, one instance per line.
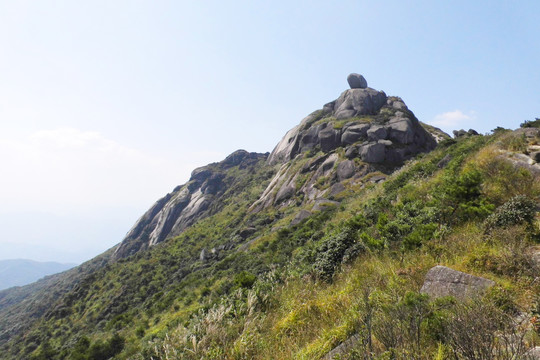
x=356 y=81
x=442 y=281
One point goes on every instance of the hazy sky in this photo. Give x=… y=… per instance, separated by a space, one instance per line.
x=105 y=106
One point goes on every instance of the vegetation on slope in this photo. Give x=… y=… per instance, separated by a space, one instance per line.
x=296 y=292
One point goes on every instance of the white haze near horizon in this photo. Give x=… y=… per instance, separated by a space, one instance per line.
x=107 y=106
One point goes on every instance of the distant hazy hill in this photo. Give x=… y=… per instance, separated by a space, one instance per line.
x=20 y=272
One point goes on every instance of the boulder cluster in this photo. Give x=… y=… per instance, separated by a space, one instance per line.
x=392 y=138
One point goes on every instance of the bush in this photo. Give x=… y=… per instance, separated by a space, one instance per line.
x=520 y=209
x=245 y=279
x=531 y=123
x=330 y=254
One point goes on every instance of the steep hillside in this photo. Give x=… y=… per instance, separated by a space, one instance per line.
x=18 y=272
x=322 y=244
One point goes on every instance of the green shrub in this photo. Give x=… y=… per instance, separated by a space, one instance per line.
x=330 y=254
x=245 y=279
x=520 y=209
x=531 y=123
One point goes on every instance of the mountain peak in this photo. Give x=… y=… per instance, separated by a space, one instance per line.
x=361 y=117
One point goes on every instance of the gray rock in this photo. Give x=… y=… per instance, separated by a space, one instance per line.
x=399 y=105
x=356 y=81
x=324 y=204
x=301 y=216
x=327 y=165
x=329 y=107
x=532 y=354
x=377 y=179
x=472 y=132
x=385 y=142
x=247 y=232
x=329 y=139
x=442 y=281
x=396 y=155
x=535 y=257
x=286 y=192
x=354 y=133
x=351 y=152
x=535 y=156
x=345 y=170
x=373 y=153
x=376 y=133
x=310 y=138
x=355 y=102
x=401 y=130
x=336 y=189
x=459 y=133
x=343 y=348
x=204 y=255
x=312 y=165
x=444 y=161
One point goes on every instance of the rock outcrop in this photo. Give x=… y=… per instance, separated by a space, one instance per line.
x=442 y=281
x=376 y=133
x=373 y=117
x=173 y=213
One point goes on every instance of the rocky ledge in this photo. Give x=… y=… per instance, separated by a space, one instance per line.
x=187 y=203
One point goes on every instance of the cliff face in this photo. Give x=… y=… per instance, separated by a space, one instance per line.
x=201 y=196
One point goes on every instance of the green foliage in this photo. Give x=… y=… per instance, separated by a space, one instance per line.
x=99 y=350
x=331 y=252
x=520 y=209
x=258 y=298
x=530 y=123
x=245 y=279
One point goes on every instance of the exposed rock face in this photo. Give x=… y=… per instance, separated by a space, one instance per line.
x=442 y=281
x=301 y=216
x=356 y=102
x=356 y=81
x=343 y=348
x=381 y=131
x=176 y=211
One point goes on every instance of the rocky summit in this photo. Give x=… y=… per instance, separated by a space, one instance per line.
x=364 y=121
x=362 y=132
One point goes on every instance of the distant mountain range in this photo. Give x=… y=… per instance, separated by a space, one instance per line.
x=19 y=272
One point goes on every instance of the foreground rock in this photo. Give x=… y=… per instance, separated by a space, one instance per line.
x=442 y=281
x=344 y=348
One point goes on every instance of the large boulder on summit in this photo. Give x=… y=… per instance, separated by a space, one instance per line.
x=356 y=102
x=356 y=81
x=442 y=281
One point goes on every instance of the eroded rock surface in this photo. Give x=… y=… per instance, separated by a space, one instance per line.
x=176 y=211
x=374 y=131
x=443 y=281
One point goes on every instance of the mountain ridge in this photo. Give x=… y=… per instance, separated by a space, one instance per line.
x=282 y=255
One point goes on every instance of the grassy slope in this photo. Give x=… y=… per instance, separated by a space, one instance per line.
x=167 y=303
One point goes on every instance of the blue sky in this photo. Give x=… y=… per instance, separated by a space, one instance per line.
x=105 y=106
